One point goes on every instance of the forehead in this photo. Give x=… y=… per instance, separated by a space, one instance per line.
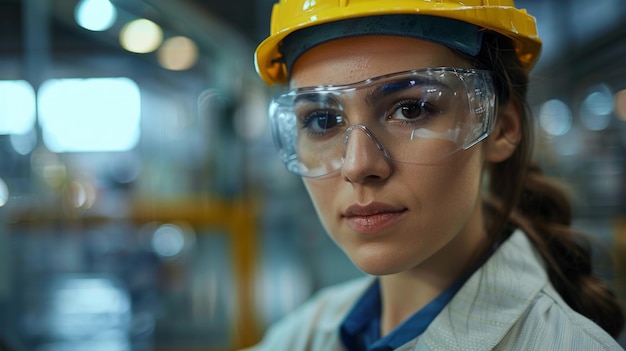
x=349 y=60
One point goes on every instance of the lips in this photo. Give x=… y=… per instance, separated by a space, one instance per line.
x=373 y=217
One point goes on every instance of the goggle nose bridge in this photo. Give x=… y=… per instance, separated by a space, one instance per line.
x=369 y=134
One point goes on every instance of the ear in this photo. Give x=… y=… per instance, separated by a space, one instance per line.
x=507 y=132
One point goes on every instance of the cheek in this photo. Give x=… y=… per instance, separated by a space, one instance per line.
x=455 y=183
x=463 y=180
x=324 y=194
x=444 y=197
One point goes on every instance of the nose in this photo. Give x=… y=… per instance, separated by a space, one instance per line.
x=365 y=159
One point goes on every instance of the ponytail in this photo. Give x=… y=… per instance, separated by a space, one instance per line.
x=519 y=195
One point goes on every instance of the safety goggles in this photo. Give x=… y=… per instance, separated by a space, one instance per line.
x=418 y=117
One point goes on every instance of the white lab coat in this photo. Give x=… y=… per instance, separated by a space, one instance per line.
x=507 y=304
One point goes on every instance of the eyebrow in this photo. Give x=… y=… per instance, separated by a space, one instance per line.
x=394 y=87
x=380 y=92
x=313 y=97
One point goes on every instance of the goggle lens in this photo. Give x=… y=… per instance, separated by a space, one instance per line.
x=418 y=117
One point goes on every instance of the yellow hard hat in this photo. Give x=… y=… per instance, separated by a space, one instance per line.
x=289 y=16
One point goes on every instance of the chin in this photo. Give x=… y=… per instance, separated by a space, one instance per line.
x=380 y=270
x=380 y=263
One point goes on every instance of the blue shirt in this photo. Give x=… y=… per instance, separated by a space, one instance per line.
x=361 y=329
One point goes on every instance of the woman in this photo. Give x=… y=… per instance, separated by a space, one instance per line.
x=407 y=121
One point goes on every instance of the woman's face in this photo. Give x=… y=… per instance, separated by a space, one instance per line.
x=391 y=217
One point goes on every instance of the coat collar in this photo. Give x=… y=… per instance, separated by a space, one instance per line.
x=491 y=301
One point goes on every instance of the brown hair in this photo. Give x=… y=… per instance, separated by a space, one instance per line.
x=519 y=195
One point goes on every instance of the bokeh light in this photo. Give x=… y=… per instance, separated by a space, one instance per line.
x=4 y=192
x=555 y=117
x=141 y=36
x=596 y=109
x=87 y=115
x=25 y=143
x=170 y=240
x=178 y=53
x=17 y=107
x=95 y=15
x=79 y=194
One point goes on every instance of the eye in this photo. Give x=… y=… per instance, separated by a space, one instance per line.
x=411 y=110
x=322 y=121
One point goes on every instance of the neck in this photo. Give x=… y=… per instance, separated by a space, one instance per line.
x=407 y=292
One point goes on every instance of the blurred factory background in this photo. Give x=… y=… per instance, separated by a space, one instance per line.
x=142 y=206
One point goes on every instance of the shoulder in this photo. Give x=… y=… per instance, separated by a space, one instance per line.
x=315 y=324
x=512 y=305
x=550 y=324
